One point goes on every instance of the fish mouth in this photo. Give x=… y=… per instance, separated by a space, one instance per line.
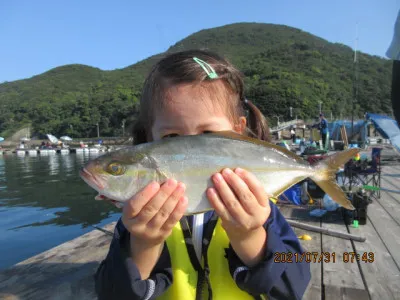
x=96 y=183
x=90 y=179
x=101 y=197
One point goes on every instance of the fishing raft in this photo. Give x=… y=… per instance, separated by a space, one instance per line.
x=66 y=271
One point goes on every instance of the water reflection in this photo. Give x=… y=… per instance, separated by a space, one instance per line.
x=3 y=184
x=50 y=185
x=46 y=192
x=54 y=164
x=67 y=164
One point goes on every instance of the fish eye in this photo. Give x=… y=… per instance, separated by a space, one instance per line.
x=115 y=168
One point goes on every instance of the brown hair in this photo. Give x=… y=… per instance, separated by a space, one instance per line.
x=181 y=68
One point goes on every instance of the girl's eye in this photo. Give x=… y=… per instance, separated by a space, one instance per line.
x=207 y=131
x=170 y=135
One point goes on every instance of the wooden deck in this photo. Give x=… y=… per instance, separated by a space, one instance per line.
x=358 y=280
x=66 y=271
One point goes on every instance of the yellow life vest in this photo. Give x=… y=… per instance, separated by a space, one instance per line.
x=185 y=277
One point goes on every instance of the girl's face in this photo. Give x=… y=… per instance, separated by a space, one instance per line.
x=189 y=113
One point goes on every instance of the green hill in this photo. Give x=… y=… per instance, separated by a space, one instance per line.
x=283 y=67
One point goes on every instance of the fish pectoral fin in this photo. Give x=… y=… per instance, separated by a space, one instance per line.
x=99 y=197
x=161 y=175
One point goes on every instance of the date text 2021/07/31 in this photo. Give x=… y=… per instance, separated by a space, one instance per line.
x=326 y=257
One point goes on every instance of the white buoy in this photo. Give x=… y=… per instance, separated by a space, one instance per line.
x=32 y=152
x=64 y=151
x=94 y=150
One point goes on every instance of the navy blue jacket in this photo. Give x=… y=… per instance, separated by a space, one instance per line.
x=323 y=126
x=118 y=277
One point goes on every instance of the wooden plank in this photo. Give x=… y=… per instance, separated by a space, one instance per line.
x=63 y=272
x=341 y=280
x=382 y=276
x=390 y=202
x=387 y=227
x=314 y=290
x=392 y=183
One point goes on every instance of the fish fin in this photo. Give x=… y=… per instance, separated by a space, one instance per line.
x=99 y=197
x=325 y=176
x=161 y=175
x=236 y=136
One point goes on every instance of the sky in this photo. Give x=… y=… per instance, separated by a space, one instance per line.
x=39 y=35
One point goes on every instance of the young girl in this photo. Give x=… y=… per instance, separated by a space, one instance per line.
x=227 y=253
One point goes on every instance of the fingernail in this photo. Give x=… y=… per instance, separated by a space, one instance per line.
x=239 y=171
x=181 y=186
x=212 y=191
x=184 y=200
x=155 y=185
x=227 y=171
x=171 y=182
x=217 y=177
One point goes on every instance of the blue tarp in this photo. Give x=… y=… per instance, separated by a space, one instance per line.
x=360 y=127
x=387 y=127
x=292 y=194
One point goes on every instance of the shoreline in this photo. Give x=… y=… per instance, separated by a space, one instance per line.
x=32 y=144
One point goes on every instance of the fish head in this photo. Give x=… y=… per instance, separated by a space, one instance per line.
x=119 y=175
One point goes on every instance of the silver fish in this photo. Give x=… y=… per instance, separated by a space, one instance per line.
x=119 y=175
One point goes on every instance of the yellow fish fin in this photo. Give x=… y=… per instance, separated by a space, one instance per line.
x=325 y=176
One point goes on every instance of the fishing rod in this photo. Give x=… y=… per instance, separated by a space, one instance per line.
x=327 y=231
x=93 y=226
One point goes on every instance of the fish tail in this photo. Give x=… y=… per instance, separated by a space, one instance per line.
x=325 y=176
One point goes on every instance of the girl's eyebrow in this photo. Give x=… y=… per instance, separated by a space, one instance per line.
x=203 y=125
x=209 y=124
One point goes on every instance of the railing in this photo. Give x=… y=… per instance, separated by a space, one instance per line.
x=284 y=125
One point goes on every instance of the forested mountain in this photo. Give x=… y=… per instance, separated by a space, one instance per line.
x=283 y=67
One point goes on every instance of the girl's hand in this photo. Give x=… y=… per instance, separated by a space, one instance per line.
x=153 y=212
x=243 y=206
x=240 y=200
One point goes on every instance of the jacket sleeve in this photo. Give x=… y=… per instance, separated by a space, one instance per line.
x=277 y=280
x=118 y=277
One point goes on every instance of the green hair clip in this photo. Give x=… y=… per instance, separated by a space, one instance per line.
x=210 y=71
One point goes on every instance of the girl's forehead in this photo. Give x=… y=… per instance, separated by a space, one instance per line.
x=186 y=107
x=200 y=97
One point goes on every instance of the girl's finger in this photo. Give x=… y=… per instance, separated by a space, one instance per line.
x=176 y=215
x=218 y=205
x=229 y=199
x=133 y=206
x=168 y=207
x=242 y=192
x=153 y=206
x=254 y=185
